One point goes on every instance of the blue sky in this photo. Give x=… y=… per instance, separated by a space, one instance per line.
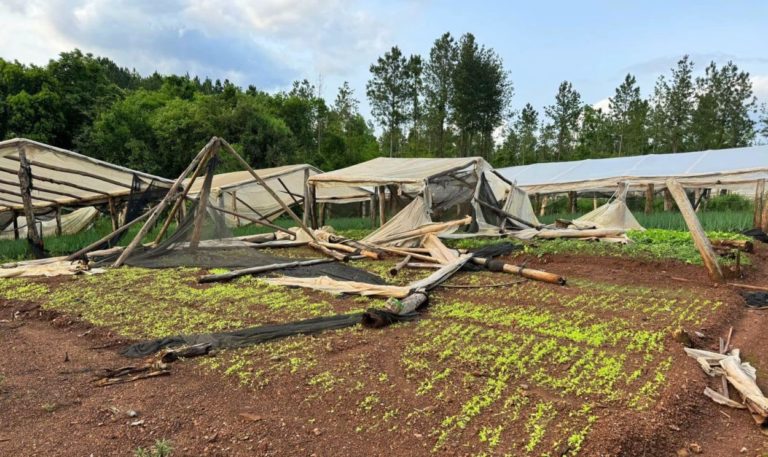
x=270 y=43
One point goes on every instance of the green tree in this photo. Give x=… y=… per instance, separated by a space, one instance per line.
x=480 y=96
x=390 y=91
x=438 y=91
x=724 y=104
x=564 y=121
x=629 y=114
x=595 y=134
x=671 y=109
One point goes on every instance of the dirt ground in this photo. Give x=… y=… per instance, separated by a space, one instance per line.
x=50 y=407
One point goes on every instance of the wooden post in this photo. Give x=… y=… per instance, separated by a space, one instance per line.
x=202 y=208
x=759 y=203
x=58 y=220
x=313 y=206
x=234 y=207
x=269 y=190
x=668 y=201
x=544 y=202
x=764 y=224
x=15 y=226
x=697 y=232
x=594 y=201
x=572 y=202
x=697 y=199
x=214 y=142
x=372 y=212
x=382 y=205
x=321 y=214
x=113 y=214
x=25 y=185
x=649 y=199
x=305 y=217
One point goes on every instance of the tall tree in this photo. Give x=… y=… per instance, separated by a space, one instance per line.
x=629 y=113
x=438 y=89
x=564 y=121
x=390 y=91
x=763 y=130
x=345 y=105
x=481 y=95
x=672 y=108
x=594 y=134
x=724 y=104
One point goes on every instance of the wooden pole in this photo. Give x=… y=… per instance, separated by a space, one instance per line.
x=759 y=203
x=382 y=207
x=321 y=214
x=372 y=212
x=25 y=186
x=649 y=199
x=764 y=224
x=262 y=269
x=178 y=206
x=15 y=226
x=543 y=208
x=202 y=206
x=668 y=201
x=529 y=273
x=306 y=217
x=234 y=207
x=400 y=265
x=58 y=220
x=269 y=190
x=697 y=232
x=214 y=142
x=106 y=238
x=113 y=213
x=572 y=202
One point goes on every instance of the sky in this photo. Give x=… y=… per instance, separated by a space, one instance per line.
x=271 y=43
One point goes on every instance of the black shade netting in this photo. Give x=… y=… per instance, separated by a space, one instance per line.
x=491 y=252
x=485 y=194
x=262 y=334
x=756 y=299
x=757 y=234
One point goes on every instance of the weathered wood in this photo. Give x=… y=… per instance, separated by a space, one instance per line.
x=722 y=399
x=427 y=265
x=529 y=273
x=382 y=205
x=372 y=212
x=543 y=207
x=407 y=305
x=321 y=214
x=403 y=253
x=269 y=190
x=742 y=245
x=649 y=199
x=668 y=201
x=748 y=287
x=572 y=202
x=58 y=221
x=329 y=252
x=15 y=226
x=308 y=201
x=106 y=238
x=399 y=266
x=25 y=185
x=764 y=217
x=741 y=381
x=759 y=203
x=261 y=269
x=697 y=232
x=214 y=142
x=113 y=213
x=202 y=206
x=352 y=250
x=178 y=205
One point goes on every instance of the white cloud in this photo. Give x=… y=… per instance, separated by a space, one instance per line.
x=267 y=42
x=760 y=87
x=604 y=104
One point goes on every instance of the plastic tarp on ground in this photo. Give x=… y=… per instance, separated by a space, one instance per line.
x=63 y=178
x=239 y=192
x=737 y=169
x=71 y=223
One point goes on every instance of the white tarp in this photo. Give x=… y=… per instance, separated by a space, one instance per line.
x=736 y=168
x=71 y=223
x=239 y=192
x=61 y=177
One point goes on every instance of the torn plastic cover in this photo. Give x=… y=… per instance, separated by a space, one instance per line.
x=262 y=334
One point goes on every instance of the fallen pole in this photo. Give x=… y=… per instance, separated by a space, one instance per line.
x=352 y=250
x=399 y=266
x=530 y=273
x=261 y=269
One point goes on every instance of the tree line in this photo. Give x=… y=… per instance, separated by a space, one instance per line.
x=157 y=123
x=453 y=103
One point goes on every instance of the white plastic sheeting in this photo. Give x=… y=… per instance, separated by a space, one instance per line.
x=239 y=192
x=71 y=223
x=736 y=168
x=61 y=177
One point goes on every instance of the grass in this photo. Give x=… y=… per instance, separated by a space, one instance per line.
x=161 y=448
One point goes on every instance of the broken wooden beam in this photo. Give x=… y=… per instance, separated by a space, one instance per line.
x=530 y=273
x=399 y=266
x=260 y=269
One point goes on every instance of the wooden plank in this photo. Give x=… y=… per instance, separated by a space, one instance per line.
x=213 y=143
x=697 y=232
x=25 y=186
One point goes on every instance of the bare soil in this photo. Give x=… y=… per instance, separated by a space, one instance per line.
x=50 y=407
